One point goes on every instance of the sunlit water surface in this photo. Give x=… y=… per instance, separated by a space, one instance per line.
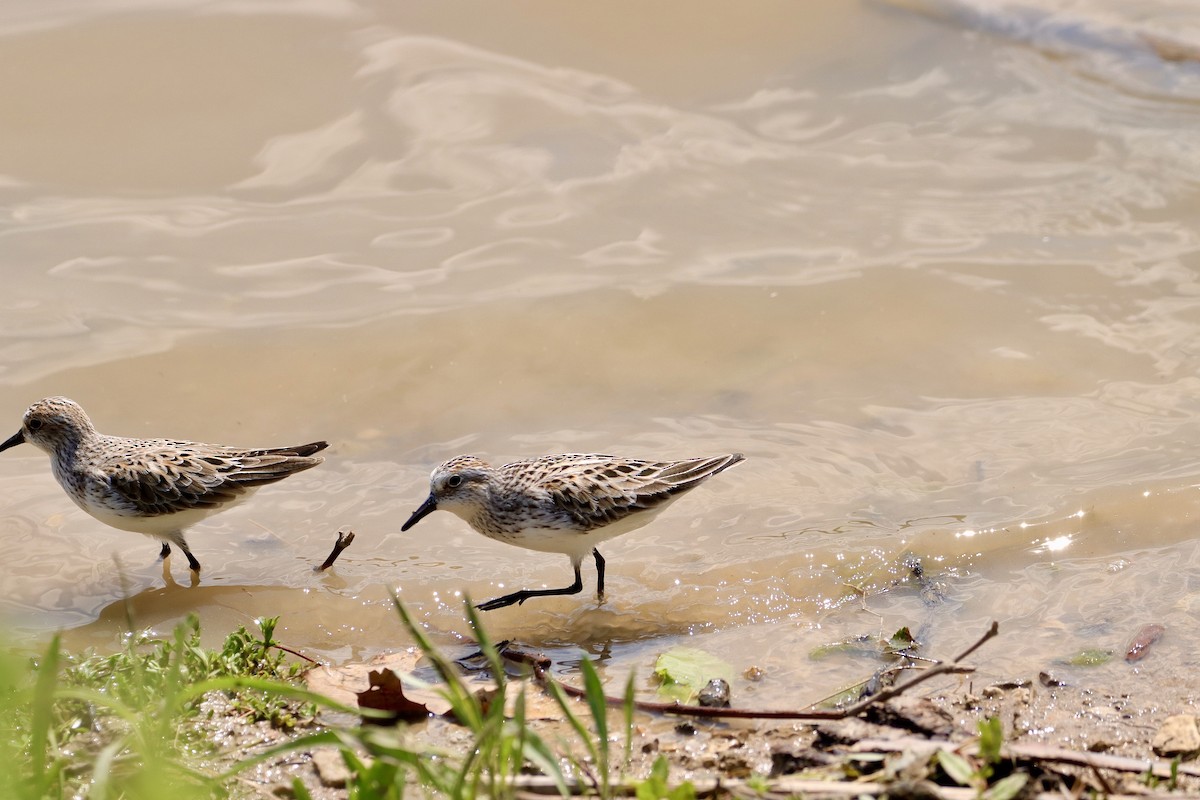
x=933 y=267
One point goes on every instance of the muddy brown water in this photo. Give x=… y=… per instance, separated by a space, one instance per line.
x=936 y=277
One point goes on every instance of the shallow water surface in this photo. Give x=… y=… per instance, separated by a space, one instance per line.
x=933 y=270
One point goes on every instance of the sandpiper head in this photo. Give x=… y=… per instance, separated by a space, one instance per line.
x=50 y=423
x=459 y=485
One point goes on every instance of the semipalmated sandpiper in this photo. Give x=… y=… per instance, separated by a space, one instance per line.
x=562 y=504
x=157 y=487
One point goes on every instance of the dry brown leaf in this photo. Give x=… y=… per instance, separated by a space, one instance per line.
x=344 y=683
x=386 y=693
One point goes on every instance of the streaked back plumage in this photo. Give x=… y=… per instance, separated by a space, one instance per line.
x=546 y=503
x=565 y=504
x=598 y=490
x=153 y=486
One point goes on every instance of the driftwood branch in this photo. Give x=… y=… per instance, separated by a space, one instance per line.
x=343 y=541
x=540 y=665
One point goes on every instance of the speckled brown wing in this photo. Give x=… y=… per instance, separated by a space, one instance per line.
x=176 y=476
x=598 y=490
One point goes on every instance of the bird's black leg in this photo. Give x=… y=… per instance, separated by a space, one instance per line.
x=166 y=551
x=523 y=595
x=193 y=564
x=599 y=575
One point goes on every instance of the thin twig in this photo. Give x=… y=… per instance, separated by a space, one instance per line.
x=541 y=664
x=296 y=653
x=945 y=668
x=1100 y=779
x=992 y=632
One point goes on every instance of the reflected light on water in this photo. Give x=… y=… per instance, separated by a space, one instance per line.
x=941 y=294
x=1055 y=545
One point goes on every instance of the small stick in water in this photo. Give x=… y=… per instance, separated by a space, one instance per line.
x=343 y=541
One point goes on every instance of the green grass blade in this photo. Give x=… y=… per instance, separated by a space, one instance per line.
x=593 y=690
x=537 y=752
x=627 y=707
x=485 y=645
x=234 y=682
x=102 y=769
x=283 y=748
x=102 y=700
x=43 y=709
x=957 y=767
x=300 y=791
x=1007 y=788
x=463 y=702
x=581 y=730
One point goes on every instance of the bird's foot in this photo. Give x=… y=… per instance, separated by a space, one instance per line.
x=164 y=552
x=516 y=598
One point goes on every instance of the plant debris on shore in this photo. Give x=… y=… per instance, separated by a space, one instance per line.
x=170 y=718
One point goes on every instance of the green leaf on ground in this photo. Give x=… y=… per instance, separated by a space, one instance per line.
x=991 y=739
x=858 y=645
x=957 y=767
x=1007 y=788
x=684 y=671
x=1092 y=657
x=657 y=785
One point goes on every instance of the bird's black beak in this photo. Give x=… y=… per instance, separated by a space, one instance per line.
x=16 y=439
x=429 y=506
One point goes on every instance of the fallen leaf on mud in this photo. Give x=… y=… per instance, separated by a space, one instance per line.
x=901 y=644
x=1090 y=658
x=841 y=698
x=901 y=640
x=344 y=683
x=385 y=692
x=684 y=671
x=856 y=645
x=1139 y=646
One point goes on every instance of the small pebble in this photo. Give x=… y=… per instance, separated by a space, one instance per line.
x=331 y=768
x=715 y=694
x=1178 y=736
x=1047 y=679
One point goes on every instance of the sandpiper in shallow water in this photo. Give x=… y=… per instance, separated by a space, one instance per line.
x=157 y=487
x=562 y=504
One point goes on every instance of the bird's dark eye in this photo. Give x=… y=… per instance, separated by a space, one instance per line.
x=455 y=481
x=35 y=424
